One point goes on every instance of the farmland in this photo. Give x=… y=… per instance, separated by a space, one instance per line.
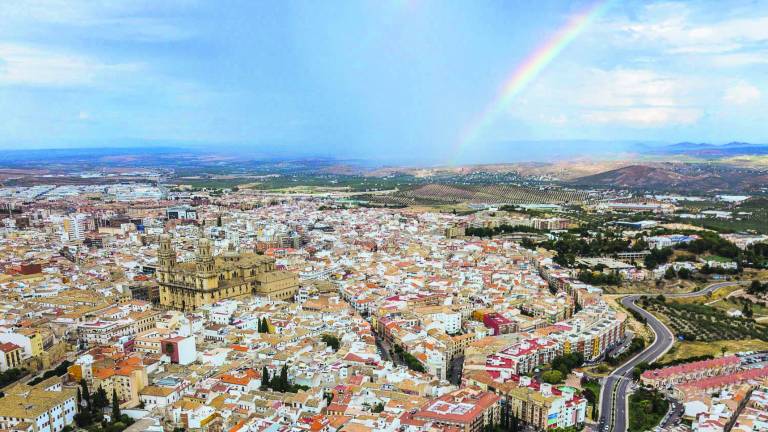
x=688 y=349
x=491 y=194
x=704 y=323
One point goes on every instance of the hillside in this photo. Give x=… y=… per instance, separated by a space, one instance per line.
x=674 y=177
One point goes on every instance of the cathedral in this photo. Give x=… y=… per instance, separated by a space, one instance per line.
x=186 y=286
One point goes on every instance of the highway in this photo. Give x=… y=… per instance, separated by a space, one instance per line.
x=614 y=393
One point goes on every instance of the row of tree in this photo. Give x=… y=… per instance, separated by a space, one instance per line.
x=263 y=326
x=561 y=366
x=279 y=382
x=412 y=362
x=599 y=278
x=501 y=229
x=91 y=410
x=757 y=288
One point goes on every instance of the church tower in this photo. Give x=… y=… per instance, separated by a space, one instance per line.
x=166 y=257
x=204 y=265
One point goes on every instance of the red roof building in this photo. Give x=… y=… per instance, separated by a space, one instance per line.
x=467 y=409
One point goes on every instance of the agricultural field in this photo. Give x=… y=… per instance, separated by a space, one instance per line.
x=758 y=309
x=491 y=194
x=687 y=349
x=695 y=322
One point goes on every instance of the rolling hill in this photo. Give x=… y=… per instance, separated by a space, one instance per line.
x=673 y=177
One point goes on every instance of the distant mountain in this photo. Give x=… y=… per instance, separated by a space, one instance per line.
x=697 y=177
x=710 y=151
x=633 y=176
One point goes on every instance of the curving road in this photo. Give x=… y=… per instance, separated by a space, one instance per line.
x=613 y=394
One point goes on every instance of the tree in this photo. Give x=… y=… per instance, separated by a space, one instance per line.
x=264 y=326
x=331 y=340
x=757 y=288
x=670 y=273
x=747 y=311
x=552 y=377
x=85 y=393
x=11 y=375
x=83 y=418
x=723 y=350
x=100 y=399
x=115 y=406
x=657 y=257
x=279 y=382
x=264 y=377
x=284 y=379
x=589 y=395
x=568 y=362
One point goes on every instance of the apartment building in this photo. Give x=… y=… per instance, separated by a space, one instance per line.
x=544 y=406
x=467 y=410
x=44 y=407
x=664 y=377
x=10 y=356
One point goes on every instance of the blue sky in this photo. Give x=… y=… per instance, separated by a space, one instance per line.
x=389 y=80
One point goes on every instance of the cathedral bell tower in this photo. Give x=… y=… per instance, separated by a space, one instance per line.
x=204 y=265
x=166 y=257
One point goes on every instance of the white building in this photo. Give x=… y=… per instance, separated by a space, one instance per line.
x=47 y=406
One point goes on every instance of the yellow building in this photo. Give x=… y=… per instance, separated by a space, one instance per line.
x=187 y=286
x=29 y=339
x=126 y=380
x=35 y=340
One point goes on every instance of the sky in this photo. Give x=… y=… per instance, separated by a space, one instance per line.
x=382 y=80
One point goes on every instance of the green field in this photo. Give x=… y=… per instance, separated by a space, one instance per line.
x=696 y=322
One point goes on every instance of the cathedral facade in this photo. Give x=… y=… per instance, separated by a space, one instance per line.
x=188 y=285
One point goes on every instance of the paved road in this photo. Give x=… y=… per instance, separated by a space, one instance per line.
x=455 y=370
x=613 y=395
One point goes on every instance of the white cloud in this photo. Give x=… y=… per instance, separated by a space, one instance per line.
x=645 y=116
x=737 y=60
x=83 y=115
x=629 y=88
x=741 y=94
x=677 y=29
x=27 y=65
x=639 y=98
x=106 y=20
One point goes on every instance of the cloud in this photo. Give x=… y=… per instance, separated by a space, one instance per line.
x=645 y=117
x=741 y=94
x=131 y=21
x=680 y=29
x=33 y=66
x=627 y=97
x=637 y=98
x=630 y=88
x=738 y=60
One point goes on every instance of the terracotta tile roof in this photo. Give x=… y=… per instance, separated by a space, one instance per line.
x=687 y=368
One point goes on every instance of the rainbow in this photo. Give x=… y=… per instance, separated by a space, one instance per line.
x=527 y=71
